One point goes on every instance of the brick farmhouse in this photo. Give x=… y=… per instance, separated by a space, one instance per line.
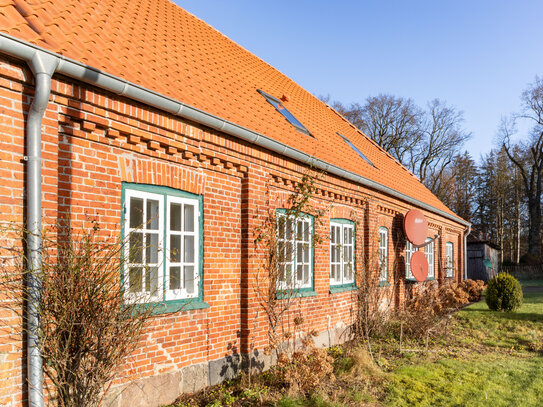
x=149 y=115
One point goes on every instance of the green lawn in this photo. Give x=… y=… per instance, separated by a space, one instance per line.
x=482 y=380
x=485 y=358
x=489 y=359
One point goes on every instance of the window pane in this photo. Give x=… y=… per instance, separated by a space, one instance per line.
x=152 y=248
x=135 y=279
x=175 y=217
x=281 y=220
x=288 y=272
x=189 y=249
x=299 y=272
x=307 y=227
x=151 y=280
x=152 y=214
x=333 y=254
x=280 y=251
x=333 y=234
x=306 y=274
x=175 y=278
x=306 y=253
x=135 y=248
x=175 y=248
x=289 y=255
x=136 y=212
x=189 y=218
x=282 y=275
x=347 y=273
x=189 y=279
x=300 y=253
x=300 y=232
x=289 y=230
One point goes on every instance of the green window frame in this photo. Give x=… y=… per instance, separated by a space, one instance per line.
x=449 y=260
x=295 y=253
x=162 y=232
x=383 y=254
x=342 y=253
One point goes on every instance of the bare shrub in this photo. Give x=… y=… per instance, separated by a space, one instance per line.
x=87 y=329
x=427 y=305
x=363 y=363
x=373 y=305
x=300 y=365
x=474 y=288
x=277 y=287
x=306 y=368
x=373 y=308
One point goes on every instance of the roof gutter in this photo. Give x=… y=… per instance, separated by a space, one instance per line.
x=76 y=70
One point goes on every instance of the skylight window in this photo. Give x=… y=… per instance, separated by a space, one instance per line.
x=284 y=111
x=356 y=149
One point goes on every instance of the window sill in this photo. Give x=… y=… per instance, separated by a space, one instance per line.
x=413 y=280
x=179 y=306
x=384 y=284
x=342 y=288
x=304 y=292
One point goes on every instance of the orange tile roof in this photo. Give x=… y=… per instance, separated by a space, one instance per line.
x=160 y=46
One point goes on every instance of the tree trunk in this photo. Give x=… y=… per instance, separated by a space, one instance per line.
x=534 y=243
x=517 y=243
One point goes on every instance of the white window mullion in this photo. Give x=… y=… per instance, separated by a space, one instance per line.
x=409 y=250
x=429 y=253
x=449 y=260
x=342 y=247
x=294 y=252
x=348 y=259
x=383 y=254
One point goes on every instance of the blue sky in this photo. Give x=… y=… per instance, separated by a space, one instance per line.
x=477 y=55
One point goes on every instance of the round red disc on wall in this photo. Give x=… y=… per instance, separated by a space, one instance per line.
x=415 y=226
x=419 y=266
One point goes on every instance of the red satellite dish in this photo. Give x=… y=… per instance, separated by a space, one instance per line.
x=415 y=226
x=419 y=266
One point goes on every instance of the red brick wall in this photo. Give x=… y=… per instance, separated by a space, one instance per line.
x=92 y=141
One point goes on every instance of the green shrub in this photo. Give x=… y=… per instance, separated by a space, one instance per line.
x=504 y=293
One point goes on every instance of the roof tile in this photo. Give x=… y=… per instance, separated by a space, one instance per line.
x=162 y=47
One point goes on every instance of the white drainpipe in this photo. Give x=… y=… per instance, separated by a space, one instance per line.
x=43 y=66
